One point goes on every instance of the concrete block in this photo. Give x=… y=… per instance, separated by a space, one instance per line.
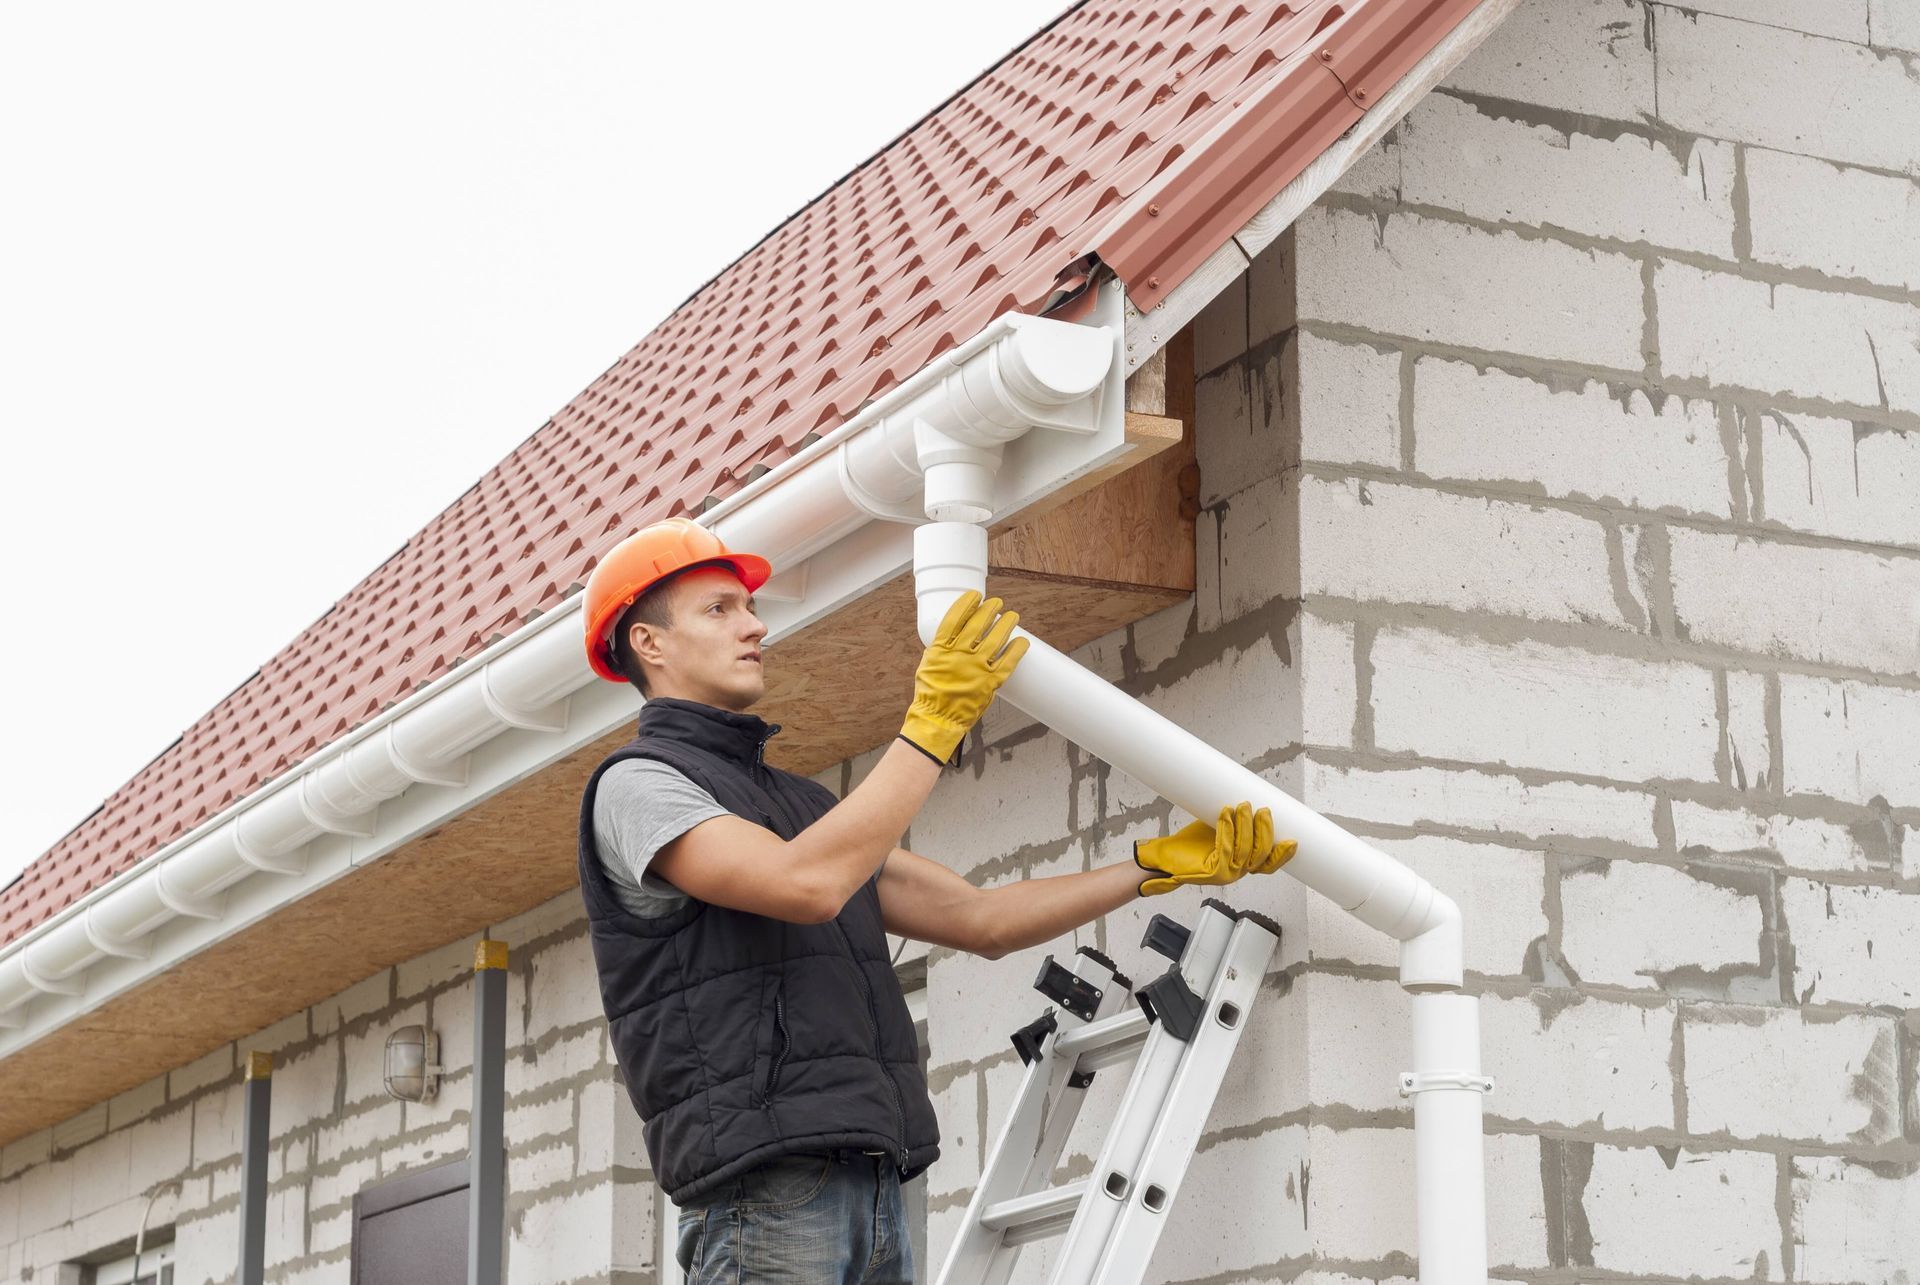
x=304 y=1088
x=1349 y=402
x=355 y=1134
x=1801 y=843
x=1783 y=1074
x=1529 y=704
x=549 y=1118
x=1501 y=893
x=563 y=988
x=199 y=1073
x=1629 y=923
x=1200 y=1243
x=124 y=1108
x=1260 y=547
x=957 y=1107
x=1327 y=1040
x=424 y=1150
x=1423 y=278
x=530 y=1070
x=22 y=1153
x=1853 y=944
x=216 y=1125
x=1787 y=339
x=1722 y=77
x=1359 y=1205
x=1491 y=802
x=79 y=1129
x=286 y=1225
x=450 y=1014
x=101 y=1173
x=1821 y=604
x=548 y=919
x=1589 y=1064
x=1842 y=478
x=1581 y=442
x=1849 y=740
x=609 y=1136
x=1834 y=219
x=1588 y=56
x=535 y=1168
x=1017 y=798
x=451 y=963
x=1705 y=1214
x=1471 y=157
x=1853 y=1221
x=338 y=1186
x=1324 y=658
x=1839 y=19
x=46 y=1196
x=1382 y=542
x=1896 y=24
x=567 y=1238
x=1240 y=432
x=1245 y=704
x=160 y=1147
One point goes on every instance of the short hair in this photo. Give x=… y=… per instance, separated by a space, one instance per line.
x=654 y=607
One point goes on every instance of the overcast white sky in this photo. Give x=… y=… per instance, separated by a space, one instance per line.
x=277 y=283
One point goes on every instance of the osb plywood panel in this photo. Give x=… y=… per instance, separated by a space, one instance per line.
x=837 y=688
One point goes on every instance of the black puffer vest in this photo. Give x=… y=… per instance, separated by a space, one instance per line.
x=741 y=1037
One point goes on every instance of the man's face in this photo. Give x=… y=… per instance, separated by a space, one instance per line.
x=711 y=652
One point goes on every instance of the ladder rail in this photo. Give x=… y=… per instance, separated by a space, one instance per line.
x=1030 y=1143
x=1176 y=1133
x=1160 y=1056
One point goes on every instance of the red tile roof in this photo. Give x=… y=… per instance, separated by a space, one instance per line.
x=1146 y=133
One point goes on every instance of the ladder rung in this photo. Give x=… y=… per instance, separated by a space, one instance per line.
x=1105 y=1042
x=1036 y=1214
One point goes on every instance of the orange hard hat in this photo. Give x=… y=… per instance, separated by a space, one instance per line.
x=641 y=561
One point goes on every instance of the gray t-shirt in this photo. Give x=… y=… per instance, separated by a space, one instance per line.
x=640 y=807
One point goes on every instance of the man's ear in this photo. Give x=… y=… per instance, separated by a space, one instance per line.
x=644 y=639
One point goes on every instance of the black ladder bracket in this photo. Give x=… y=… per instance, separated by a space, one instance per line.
x=1031 y=1038
x=1067 y=989
x=1169 y=1001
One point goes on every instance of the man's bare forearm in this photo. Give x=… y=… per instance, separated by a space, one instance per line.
x=1027 y=913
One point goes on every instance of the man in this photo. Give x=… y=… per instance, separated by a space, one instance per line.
x=739 y=914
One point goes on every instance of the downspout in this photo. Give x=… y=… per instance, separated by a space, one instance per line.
x=1446 y=1083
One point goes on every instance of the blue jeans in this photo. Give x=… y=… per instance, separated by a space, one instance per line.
x=810 y=1219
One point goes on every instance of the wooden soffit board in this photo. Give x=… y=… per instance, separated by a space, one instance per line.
x=1118 y=548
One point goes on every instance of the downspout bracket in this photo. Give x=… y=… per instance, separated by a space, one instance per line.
x=1412 y=1082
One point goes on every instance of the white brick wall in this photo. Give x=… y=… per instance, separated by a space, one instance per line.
x=1584 y=442
x=1775 y=1073
x=1629 y=922
x=1844 y=222
x=1842 y=478
x=1723 y=78
x=1533 y=705
x=1420 y=277
x=1851 y=1223
x=1684 y=1213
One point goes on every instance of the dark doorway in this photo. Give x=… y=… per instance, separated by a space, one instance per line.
x=412 y=1230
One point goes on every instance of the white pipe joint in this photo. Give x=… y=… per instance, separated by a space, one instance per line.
x=949 y=558
x=958 y=475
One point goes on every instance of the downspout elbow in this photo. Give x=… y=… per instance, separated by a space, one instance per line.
x=1435 y=956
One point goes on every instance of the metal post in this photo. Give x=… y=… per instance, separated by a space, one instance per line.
x=486 y=1146
x=257 y=1091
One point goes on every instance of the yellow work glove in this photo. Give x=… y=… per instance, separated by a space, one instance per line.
x=1241 y=844
x=959 y=672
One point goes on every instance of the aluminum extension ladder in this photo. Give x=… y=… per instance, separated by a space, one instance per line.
x=1181 y=1038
